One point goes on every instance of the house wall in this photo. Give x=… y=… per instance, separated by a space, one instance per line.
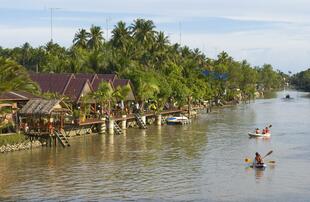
x=86 y=90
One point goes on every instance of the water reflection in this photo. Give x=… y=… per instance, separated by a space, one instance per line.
x=199 y=161
x=259 y=173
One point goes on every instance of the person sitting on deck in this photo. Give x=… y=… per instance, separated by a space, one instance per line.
x=264 y=131
x=258 y=158
x=257 y=131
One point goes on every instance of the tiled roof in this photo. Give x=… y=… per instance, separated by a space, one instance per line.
x=17 y=96
x=54 y=83
x=72 y=85
x=96 y=83
x=75 y=88
x=107 y=77
x=120 y=82
x=89 y=76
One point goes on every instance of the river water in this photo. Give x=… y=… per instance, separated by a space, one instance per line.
x=202 y=161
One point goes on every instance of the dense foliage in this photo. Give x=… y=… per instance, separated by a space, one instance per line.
x=158 y=69
x=302 y=80
x=15 y=77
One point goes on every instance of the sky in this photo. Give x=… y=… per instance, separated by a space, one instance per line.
x=276 y=32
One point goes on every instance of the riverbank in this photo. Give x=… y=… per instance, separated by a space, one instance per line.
x=16 y=142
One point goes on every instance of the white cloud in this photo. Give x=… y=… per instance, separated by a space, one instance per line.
x=285 y=44
x=35 y=36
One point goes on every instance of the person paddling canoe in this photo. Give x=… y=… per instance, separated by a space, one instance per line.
x=258 y=159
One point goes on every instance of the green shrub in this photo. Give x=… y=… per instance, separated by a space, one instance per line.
x=12 y=139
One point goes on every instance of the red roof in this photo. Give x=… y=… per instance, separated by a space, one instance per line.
x=72 y=85
x=17 y=96
x=96 y=83
x=120 y=82
x=89 y=76
x=107 y=77
x=75 y=88
x=54 y=83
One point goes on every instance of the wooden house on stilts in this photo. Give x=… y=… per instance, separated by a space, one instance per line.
x=45 y=119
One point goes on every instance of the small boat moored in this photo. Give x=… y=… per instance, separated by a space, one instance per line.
x=177 y=120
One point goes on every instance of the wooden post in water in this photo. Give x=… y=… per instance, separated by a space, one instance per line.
x=111 y=126
x=158 y=120
x=189 y=106
x=102 y=126
x=124 y=122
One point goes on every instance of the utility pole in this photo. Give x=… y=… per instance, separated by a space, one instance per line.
x=108 y=19
x=180 y=30
x=52 y=9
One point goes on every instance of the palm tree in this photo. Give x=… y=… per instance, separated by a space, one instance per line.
x=26 y=54
x=104 y=95
x=162 y=41
x=120 y=36
x=96 y=39
x=143 y=32
x=81 y=38
x=160 y=49
x=97 y=61
x=120 y=93
x=15 y=77
x=146 y=90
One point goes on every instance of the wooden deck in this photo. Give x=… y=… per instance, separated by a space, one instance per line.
x=132 y=116
x=90 y=122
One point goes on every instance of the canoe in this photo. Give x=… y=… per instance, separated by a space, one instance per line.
x=259 y=135
x=259 y=166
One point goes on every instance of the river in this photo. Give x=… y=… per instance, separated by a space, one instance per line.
x=200 y=161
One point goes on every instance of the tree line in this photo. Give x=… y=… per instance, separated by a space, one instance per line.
x=158 y=69
x=301 y=80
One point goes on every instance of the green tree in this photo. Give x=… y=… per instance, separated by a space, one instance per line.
x=14 y=77
x=81 y=38
x=96 y=39
x=104 y=96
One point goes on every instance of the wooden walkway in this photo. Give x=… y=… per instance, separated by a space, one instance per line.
x=93 y=121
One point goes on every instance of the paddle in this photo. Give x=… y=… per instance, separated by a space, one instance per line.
x=270 y=152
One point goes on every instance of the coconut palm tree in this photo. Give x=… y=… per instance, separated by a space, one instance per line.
x=162 y=41
x=143 y=32
x=120 y=36
x=96 y=39
x=104 y=96
x=81 y=38
x=15 y=77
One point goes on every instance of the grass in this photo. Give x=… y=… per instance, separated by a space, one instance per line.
x=12 y=139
